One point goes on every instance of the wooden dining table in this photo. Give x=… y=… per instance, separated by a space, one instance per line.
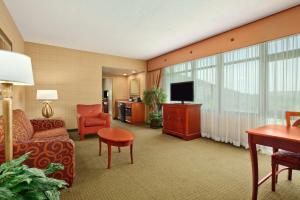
x=276 y=136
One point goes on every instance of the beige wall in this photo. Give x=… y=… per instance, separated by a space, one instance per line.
x=10 y=29
x=77 y=75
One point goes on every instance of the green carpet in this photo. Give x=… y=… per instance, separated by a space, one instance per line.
x=166 y=168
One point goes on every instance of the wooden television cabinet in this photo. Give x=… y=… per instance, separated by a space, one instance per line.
x=182 y=120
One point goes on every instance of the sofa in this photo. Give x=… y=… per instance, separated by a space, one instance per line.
x=48 y=141
x=90 y=119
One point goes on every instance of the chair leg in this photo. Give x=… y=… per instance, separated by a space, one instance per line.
x=81 y=137
x=290 y=174
x=274 y=176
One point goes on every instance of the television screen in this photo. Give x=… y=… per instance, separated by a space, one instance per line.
x=183 y=91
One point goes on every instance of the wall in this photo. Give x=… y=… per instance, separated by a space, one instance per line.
x=77 y=75
x=10 y=29
x=275 y=26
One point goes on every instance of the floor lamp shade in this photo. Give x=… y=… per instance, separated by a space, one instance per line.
x=15 y=69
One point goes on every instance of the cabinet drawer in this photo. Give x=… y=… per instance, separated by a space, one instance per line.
x=174 y=119
x=182 y=120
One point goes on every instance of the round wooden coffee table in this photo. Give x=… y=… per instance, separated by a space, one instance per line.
x=115 y=137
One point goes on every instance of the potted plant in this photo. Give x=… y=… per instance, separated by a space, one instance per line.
x=153 y=98
x=18 y=181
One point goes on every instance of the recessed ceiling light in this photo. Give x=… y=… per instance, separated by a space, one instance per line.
x=124 y=74
x=133 y=71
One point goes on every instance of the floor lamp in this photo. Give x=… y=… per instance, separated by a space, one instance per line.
x=15 y=69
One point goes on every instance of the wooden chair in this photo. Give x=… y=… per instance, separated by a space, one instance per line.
x=290 y=160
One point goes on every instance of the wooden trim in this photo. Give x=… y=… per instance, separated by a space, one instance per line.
x=278 y=25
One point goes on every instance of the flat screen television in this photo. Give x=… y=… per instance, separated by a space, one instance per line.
x=183 y=91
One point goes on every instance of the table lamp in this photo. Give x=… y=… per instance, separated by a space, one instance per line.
x=15 y=69
x=47 y=96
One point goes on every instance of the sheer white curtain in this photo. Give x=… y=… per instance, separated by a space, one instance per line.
x=244 y=88
x=283 y=77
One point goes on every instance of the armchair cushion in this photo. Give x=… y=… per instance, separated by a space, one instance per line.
x=89 y=110
x=52 y=133
x=94 y=121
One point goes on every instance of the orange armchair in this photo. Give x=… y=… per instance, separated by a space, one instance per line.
x=90 y=119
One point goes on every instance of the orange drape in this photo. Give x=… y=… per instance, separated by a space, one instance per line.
x=153 y=79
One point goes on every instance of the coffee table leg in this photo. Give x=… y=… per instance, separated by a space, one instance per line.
x=99 y=146
x=131 y=153
x=119 y=149
x=109 y=156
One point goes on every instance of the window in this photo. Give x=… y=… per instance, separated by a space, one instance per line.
x=283 y=94
x=241 y=80
x=243 y=88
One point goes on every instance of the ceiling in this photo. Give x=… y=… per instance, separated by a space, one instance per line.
x=110 y=71
x=140 y=29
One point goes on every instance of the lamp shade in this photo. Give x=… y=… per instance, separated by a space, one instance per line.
x=46 y=95
x=15 y=68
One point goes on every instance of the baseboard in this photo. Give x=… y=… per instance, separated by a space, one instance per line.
x=73 y=129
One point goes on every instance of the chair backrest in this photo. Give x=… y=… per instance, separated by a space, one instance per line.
x=89 y=110
x=22 y=127
x=288 y=116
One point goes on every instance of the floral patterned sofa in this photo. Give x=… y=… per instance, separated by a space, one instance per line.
x=48 y=141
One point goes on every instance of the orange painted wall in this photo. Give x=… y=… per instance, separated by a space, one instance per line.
x=275 y=26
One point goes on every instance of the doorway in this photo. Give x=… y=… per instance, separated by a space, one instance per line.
x=107 y=97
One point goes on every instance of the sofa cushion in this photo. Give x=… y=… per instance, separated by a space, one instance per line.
x=22 y=128
x=94 y=121
x=52 y=133
x=21 y=116
x=50 y=139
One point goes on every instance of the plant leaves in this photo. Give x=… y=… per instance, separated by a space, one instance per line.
x=53 y=167
x=14 y=163
x=19 y=182
x=52 y=194
x=5 y=193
